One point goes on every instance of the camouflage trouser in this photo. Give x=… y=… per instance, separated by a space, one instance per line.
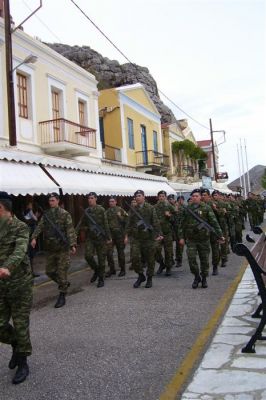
x=225 y=246
x=118 y=242
x=239 y=231
x=253 y=219
x=178 y=251
x=57 y=265
x=232 y=233
x=146 y=248
x=202 y=249
x=15 y=303
x=216 y=251
x=99 y=246
x=167 y=245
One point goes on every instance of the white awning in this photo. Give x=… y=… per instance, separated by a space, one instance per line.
x=80 y=182
x=18 y=178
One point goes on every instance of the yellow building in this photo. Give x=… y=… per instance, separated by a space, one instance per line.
x=130 y=129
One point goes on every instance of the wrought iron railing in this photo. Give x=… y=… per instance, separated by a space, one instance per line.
x=62 y=130
x=151 y=157
x=112 y=153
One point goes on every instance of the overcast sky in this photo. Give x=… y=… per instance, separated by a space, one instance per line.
x=208 y=56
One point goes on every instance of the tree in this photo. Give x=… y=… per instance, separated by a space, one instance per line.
x=192 y=151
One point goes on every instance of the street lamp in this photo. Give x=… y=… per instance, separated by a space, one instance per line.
x=31 y=59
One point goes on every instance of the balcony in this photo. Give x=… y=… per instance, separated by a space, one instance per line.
x=64 y=136
x=111 y=153
x=151 y=160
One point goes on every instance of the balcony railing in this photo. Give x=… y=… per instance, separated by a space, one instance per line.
x=151 y=157
x=112 y=153
x=62 y=130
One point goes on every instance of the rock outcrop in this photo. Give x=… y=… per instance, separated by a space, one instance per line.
x=110 y=73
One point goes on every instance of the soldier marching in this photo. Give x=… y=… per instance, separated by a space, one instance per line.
x=156 y=233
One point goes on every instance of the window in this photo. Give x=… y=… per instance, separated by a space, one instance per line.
x=81 y=106
x=130 y=133
x=56 y=114
x=22 y=96
x=155 y=141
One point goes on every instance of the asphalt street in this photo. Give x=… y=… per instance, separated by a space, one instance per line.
x=114 y=342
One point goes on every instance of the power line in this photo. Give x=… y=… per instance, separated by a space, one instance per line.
x=43 y=23
x=134 y=65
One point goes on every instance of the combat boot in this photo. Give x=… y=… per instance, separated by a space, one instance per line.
x=168 y=272
x=94 y=277
x=139 y=281
x=22 y=371
x=204 y=282
x=196 y=282
x=110 y=273
x=149 y=282
x=61 y=301
x=161 y=268
x=178 y=264
x=223 y=264
x=122 y=273
x=100 y=282
x=14 y=358
x=215 y=270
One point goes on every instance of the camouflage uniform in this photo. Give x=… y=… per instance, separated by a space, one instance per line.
x=198 y=241
x=143 y=241
x=116 y=218
x=167 y=226
x=230 y=213
x=178 y=249
x=221 y=217
x=215 y=246
x=252 y=209
x=96 y=242
x=16 y=290
x=58 y=253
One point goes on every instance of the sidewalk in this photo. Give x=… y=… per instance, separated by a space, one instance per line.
x=225 y=373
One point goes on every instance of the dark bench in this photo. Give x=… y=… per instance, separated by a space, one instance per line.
x=256 y=257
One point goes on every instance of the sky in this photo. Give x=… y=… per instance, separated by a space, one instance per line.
x=208 y=56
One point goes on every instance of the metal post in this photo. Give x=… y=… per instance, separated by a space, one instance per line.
x=213 y=153
x=247 y=166
x=239 y=168
x=243 y=170
x=9 y=77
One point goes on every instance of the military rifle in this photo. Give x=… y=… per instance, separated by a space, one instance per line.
x=202 y=224
x=57 y=231
x=141 y=223
x=95 y=228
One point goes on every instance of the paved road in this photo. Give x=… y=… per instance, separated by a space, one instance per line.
x=115 y=342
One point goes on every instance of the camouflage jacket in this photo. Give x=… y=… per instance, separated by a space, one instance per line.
x=148 y=213
x=251 y=206
x=168 y=224
x=188 y=227
x=14 y=240
x=97 y=213
x=62 y=220
x=116 y=218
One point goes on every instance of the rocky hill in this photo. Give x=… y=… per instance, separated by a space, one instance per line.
x=110 y=73
x=255 y=176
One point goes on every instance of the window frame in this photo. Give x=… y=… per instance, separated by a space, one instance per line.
x=130 y=129
x=23 y=95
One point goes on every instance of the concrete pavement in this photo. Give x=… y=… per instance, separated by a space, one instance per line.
x=225 y=373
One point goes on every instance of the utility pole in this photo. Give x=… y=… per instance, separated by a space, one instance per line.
x=9 y=77
x=213 y=152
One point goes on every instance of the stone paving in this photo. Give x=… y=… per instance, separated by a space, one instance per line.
x=225 y=373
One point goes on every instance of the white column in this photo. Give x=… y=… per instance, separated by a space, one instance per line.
x=123 y=133
x=95 y=104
